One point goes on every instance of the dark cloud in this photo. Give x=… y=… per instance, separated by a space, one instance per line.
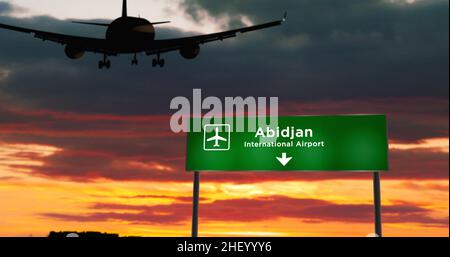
x=259 y=209
x=409 y=119
x=60 y=124
x=175 y=198
x=421 y=164
x=355 y=48
x=5 y=8
x=90 y=166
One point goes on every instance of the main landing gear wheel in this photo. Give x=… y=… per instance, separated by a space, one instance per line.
x=105 y=63
x=134 y=61
x=102 y=64
x=158 y=62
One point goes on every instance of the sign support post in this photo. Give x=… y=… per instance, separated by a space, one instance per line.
x=377 y=203
x=195 y=204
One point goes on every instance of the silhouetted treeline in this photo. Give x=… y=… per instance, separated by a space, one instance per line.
x=64 y=234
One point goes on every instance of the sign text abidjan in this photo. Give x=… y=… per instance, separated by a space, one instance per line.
x=297 y=143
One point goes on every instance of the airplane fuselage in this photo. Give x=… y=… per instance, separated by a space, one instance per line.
x=130 y=34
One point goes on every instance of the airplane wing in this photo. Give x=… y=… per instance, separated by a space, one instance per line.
x=95 y=45
x=218 y=138
x=210 y=139
x=221 y=139
x=167 y=45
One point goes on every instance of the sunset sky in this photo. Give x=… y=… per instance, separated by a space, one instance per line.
x=89 y=150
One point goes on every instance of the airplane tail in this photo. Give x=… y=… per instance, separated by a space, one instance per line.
x=124 y=9
x=125 y=14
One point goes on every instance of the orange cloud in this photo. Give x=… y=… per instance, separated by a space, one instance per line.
x=257 y=209
x=432 y=144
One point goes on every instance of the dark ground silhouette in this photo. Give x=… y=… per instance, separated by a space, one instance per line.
x=89 y=234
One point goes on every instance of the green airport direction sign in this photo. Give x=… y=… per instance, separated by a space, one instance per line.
x=295 y=143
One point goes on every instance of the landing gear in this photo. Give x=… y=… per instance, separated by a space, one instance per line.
x=105 y=63
x=158 y=61
x=135 y=60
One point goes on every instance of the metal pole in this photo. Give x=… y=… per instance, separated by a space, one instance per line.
x=195 y=204
x=377 y=203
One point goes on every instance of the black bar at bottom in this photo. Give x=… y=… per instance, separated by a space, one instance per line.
x=135 y=246
x=195 y=204
x=377 y=203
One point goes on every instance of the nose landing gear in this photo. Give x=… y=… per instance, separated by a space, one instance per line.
x=158 y=61
x=105 y=63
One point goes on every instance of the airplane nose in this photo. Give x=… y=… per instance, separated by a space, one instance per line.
x=145 y=29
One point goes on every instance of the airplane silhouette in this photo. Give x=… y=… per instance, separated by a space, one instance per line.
x=132 y=35
x=216 y=138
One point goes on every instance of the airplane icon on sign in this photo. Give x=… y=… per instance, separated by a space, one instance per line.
x=217 y=138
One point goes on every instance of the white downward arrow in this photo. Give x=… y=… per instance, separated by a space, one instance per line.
x=284 y=160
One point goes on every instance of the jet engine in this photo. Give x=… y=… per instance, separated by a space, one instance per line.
x=74 y=52
x=190 y=51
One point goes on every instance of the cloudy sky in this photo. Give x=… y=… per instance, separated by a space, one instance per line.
x=84 y=149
